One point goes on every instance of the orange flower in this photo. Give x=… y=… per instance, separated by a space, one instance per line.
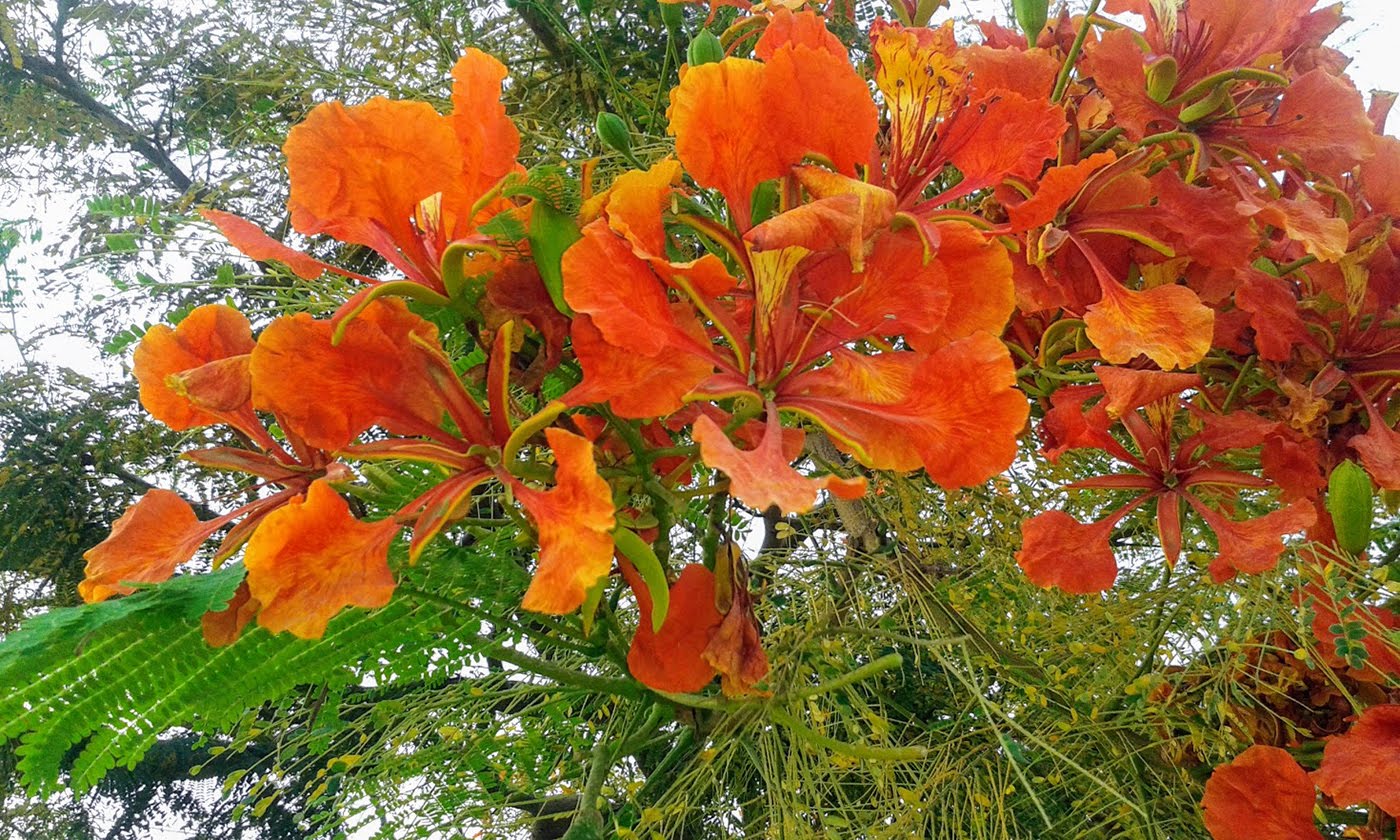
x=575 y=521
x=156 y=534
x=1363 y=764
x=1262 y=795
x=167 y=359
x=807 y=100
x=311 y=558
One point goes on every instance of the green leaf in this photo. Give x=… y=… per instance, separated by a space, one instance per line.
x=551 y=234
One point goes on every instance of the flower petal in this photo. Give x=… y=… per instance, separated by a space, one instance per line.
x=1253 y=545
x=1168 y=324
x=955 y=411
x=763 y=477
x=252 y=241
x=311 y=558
x=156 y=534
x=575 y=521
x=359 y=173
x=1059 y=550
x=671 y=659
x=488 y=140
x=223 y=627
x=1262 y=795
x=381 y=373
x=208 y=334
x=1363 y=764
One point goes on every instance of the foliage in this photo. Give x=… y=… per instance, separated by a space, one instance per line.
x=751 y=406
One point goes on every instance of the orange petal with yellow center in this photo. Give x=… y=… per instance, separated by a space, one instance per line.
x=763 y=477
x=1262 y=795
x=1059 y=550
x=358 y=174
x=1363 y=763
x=381 y=373
x=208 y=334
x=670 y=659
x=156 y=534
x=311 y=558
x=1168 y=324
x=919 y=72
x=955 y=411
x=575 y=521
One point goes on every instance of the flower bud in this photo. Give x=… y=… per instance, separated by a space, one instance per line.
x=1349 y=503
x=613 y=132
x=1031 y=16
x=704 y=48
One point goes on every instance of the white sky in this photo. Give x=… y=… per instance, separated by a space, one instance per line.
x=1372 y=38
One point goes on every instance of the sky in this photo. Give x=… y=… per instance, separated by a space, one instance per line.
x=1372 y=38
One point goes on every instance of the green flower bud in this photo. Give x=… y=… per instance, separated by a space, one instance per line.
x=1031 y=16
x=704 y=48
x=1349 y=500
x=613 y=132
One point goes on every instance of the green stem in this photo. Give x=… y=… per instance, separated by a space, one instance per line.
x=1062 y=81
x=888 y=662
x=864 y=752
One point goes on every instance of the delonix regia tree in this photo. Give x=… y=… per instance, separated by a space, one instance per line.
x=1056 y=369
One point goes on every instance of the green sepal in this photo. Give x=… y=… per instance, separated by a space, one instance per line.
x=704 y=48
x=1031 y=16
x=551 y=234
x=635 y=549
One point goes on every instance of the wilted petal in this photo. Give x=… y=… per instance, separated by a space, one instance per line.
x=762 y=477
x=1262 y=795
x=311 y=558
x=671 y=659
x=208 y=334
x=1168 y=324
x=1059 y=550
x=1363 y=764
x=955 y=411
x=736 y=650
x=575 y=521
x=156 y=534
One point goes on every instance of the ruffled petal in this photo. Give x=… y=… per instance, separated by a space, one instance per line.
x=1059 y=550
x=575 y=521
x=311 y=558
x=208 y=334
x=671 y=659
x=156 y=534
x=1363 y=764
x=1168 y=324
x=1262 y=795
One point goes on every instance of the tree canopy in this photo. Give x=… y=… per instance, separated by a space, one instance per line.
x=637 y=420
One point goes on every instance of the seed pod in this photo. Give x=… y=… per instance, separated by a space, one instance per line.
x=613 y=132
x=1031 y=16
x=1349 y=501
x=704 y=48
